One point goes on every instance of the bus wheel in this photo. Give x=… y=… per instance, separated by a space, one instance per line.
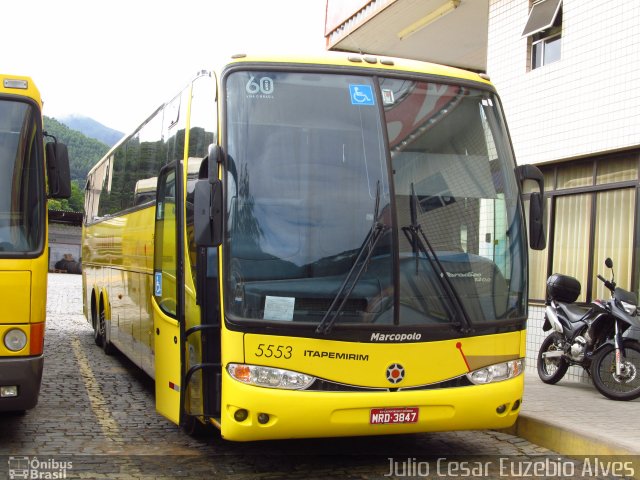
x=98 y=330
x=100 y=333
x=94 y=311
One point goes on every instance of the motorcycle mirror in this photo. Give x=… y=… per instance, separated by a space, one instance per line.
x=608 y=262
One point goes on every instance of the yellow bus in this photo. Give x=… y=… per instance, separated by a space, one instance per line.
x=336 y=247
x=23 y=237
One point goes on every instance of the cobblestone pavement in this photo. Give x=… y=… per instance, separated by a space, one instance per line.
x=96 y=419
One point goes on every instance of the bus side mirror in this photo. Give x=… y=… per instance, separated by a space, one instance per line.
x=58 y=170
x=537 y=234
x=207 y=213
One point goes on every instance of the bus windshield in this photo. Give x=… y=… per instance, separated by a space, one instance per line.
x=21 y=205
x=316 y=162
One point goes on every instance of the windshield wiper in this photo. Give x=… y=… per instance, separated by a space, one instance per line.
x=354 y=273
x=420 y=243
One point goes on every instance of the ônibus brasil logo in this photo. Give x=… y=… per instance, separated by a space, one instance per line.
x=38 y=468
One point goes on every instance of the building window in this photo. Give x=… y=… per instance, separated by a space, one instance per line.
x=592 y=206
x=571 y=238
x=544 y=32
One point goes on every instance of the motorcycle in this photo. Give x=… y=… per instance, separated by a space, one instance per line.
x=602 y=338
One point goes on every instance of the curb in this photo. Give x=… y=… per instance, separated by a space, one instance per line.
x=571 y=443
x=563 y=440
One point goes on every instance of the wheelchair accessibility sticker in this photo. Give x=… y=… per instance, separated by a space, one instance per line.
x=157 y=284
x=361 y=95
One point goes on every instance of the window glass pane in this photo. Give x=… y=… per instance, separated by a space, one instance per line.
x=571 y=242
x=202 y=133
x=576 y=175
x=536 y=55
x=96 y=187
x=203 y=125
x=302 y=193
x=173 y=127
x=613 y=238
x=150 y=159
x=454 y=165
x=617 y=170
x=21 y=182
x=107 y=202
x=128 y=181
x=552 y=48
x=165 y=245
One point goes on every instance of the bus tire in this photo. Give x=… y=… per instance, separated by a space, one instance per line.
x=98 y=336
x=94 y=320
x=101 y=334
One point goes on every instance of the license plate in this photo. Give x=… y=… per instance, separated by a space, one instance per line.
x=387 y=416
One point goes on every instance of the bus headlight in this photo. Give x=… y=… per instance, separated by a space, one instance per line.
x=269 y=377
x=15 y=340
x=497 y=372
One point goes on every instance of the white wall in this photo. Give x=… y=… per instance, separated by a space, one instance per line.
x=586 y=103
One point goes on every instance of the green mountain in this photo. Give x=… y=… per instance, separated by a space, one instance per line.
x=84 y=153
x=92 y=129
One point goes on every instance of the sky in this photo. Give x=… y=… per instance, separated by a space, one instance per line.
x=117 y=60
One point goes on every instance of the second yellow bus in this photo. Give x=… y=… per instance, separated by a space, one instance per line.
x=30 y=171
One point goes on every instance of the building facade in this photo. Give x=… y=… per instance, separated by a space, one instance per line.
x=568 y=73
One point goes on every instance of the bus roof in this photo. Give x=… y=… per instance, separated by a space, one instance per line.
x=19 y=85
x=347 y=59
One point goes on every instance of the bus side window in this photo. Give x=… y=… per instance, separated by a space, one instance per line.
x=151 y=157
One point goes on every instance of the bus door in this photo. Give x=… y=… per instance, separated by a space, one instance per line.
x=168 y=304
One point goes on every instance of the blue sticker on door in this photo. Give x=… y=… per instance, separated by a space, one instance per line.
x=157 y=287
x=361 y=95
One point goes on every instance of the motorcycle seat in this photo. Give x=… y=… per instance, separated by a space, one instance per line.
x=573 y=312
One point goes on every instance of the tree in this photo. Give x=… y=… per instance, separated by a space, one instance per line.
x=84 y=153
x=75 y=203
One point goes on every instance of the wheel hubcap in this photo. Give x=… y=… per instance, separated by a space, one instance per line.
x=628 y=374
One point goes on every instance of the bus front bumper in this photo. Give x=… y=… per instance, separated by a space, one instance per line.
x=25 y=373
x=308 y=414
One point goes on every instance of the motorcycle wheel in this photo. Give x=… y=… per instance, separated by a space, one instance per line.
x=617 y=387
x=551 y=370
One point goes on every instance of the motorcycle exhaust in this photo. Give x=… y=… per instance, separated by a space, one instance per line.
x=554 y=354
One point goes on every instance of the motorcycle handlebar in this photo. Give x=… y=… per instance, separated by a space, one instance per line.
x=606 y=282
